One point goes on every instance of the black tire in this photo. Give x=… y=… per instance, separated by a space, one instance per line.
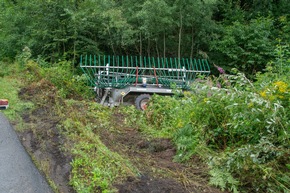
x=141 y=101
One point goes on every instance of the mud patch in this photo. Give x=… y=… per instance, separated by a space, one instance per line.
x=41 y=137
x=145 y=184
x=154 y=159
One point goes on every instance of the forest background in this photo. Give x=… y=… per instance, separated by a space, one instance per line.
x=230 y=33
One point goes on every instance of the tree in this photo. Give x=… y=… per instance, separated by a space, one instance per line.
x=193 y=20
x=156 y=22
x=114 y=27
x=247 y=47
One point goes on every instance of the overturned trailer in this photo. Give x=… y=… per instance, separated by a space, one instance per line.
x=115 y=77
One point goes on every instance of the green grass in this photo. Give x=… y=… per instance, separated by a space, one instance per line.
x=10 y=86
x=94 y=167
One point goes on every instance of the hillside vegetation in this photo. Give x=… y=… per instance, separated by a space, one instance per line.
x=224 y=128
x=230 y=132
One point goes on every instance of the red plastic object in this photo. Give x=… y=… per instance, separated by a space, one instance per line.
x=4 y=103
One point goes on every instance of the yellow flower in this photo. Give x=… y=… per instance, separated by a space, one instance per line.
x=263 y=94
x=281 y=86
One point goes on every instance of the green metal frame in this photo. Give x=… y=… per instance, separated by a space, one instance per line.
x=123 y=71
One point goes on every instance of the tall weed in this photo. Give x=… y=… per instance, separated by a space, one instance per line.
x=70 y=85
x=229 y=115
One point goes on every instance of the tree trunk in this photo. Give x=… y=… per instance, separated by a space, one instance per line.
x=140 y=49
x=164 y=45
x=157 y=48
x=192 y=43
x=179 y=39
x=148 y=47
x=112 y=44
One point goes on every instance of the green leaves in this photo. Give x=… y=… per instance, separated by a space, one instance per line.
x=223 y=179
x=242 y=130
x=95 y=167
x=57 y=30
x=186 y=140
x=246 y=46
x=64 y=29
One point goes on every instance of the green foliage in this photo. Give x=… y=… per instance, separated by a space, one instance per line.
x=161 y=19
x=223 y=179
x=247 y=33
x=24 y=56
x=241 y=127
x=280 y=66
x=48 y=28
x=95 y=168
x=273 y=85
x=10 y=86
x=250 y=45
x=69 y=84
x=160 y=114
x=66 y=29
x=117 y=29
x=240 y=34
x=186 y=140
x=259 y=168
x=62 y=75
x=95 y=171
x=8 y=69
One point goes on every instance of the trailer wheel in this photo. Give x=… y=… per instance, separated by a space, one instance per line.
x=141 y=101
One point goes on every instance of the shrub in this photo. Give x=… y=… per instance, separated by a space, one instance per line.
x=247 y=130
x=70 y=85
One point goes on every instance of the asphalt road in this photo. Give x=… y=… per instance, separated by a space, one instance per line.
x=18 y=174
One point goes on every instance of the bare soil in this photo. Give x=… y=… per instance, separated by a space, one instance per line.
x=41 y=137
x=154 y=158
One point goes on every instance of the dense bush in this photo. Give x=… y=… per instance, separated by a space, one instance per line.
x=240 y=128
x=247 y=47
x=69 y=83
x=62 y=75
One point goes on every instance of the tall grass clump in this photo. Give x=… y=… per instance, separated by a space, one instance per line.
x=68 y=81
